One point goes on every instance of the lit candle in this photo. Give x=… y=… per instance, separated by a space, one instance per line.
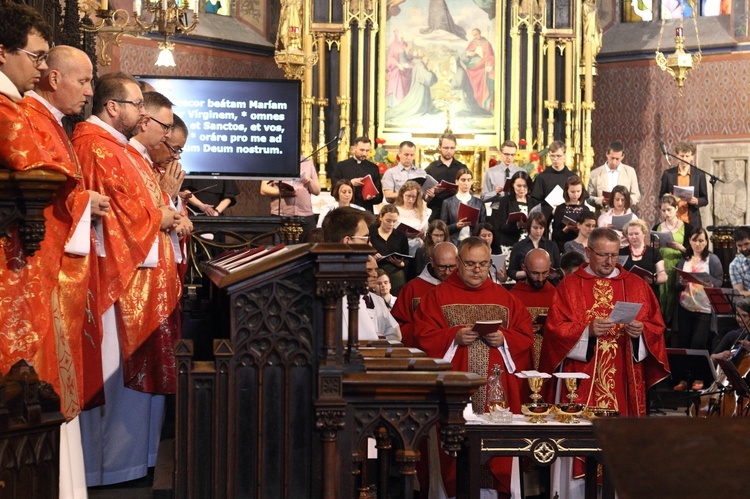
x=678 y=31
x=105 y=4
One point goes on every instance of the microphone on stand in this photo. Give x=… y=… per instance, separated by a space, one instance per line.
x=664 y=152
x=338 y=138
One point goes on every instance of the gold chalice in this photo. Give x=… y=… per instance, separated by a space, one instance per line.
x=536 y=410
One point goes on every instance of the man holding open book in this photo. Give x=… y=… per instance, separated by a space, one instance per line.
x=475 y=323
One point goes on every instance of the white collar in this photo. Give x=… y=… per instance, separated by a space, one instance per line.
x=59 y=115
x=140 y=148
x=614 y=273
x=121 y=138
x=8 y=89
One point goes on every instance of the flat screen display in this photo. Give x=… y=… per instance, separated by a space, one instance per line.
x=237 y=129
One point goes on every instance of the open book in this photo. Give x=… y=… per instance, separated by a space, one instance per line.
x=469 y=213
x=368 y=188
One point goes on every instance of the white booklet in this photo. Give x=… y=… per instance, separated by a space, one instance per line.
x=555 y=197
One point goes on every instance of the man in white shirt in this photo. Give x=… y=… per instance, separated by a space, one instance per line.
x=405 y=170
x=613 y=172
x=496 y=176
x=374 y=318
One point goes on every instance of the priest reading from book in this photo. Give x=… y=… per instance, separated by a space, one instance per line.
x=444 y=328
x=443 y=261
x=622 y=360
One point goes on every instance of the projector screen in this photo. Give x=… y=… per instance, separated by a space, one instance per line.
x=237 y=129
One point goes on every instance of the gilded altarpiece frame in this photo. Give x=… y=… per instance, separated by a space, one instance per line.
x=442 y=65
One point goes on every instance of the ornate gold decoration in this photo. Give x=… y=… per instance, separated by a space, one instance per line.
x=679 y=63
x=164 y=17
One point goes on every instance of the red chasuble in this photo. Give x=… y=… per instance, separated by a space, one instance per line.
x=453 y=305
x=537 y=302
x=77 y=308
x=150 y=366
x=31 y=326
x=617 y=380
x=408 y=300
x=130 y=229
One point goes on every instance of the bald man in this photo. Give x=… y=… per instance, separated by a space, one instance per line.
x=536 y=292
x=443 y=262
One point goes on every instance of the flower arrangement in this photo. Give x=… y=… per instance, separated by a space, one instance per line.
x=381 y=156
x=531 y=161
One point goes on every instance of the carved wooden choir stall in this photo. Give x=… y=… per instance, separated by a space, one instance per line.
x=285 y=407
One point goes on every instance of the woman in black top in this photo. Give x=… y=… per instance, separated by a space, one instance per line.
x=517 y=200
x=639 y=253
x=574 y=206
x=536 y=239
x=386 y=240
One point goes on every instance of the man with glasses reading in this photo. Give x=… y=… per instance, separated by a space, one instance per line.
x=120 y=438
x=443 y=262
x=496 y=176
x=444 y=328
x=443 y=168
x=622 y=360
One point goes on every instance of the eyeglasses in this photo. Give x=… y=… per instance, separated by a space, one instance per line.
x=366 y=238
x=508 y=154
x=175 y=150
x=410 y=196
x=167 y=128
x=605 y=256
x=556 y=156
x=137 y=103
x=476 y=265
x=36 y=59
x=446 y=268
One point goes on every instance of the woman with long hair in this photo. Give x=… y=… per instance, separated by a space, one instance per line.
x=386 y=240
x=516 y=201
x=586 y=223
x=536 y=227
x=640 y=253
x=343 y=193
x=412 y=212
x=694 y=314
x=671 y=252
x=460 y=229
x=564 y=226
x=437 y=232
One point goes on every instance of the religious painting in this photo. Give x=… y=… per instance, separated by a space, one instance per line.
x=438 y=60
x=637 y=10
x=716 y=7
x=675 y=9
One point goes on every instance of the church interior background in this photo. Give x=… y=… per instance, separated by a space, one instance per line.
x=602 y=84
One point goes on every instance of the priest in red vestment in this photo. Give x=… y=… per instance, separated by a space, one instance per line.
x=442 y=263
x=63 y=90
x=443 y=329
x=120 y=439
x=30 y=313
x=536 y=292
x=622 y=360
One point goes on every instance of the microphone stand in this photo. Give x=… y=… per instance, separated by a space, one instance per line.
x=338 y=137
x=711 y=177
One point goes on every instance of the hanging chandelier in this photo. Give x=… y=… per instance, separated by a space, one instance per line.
x=679 y=63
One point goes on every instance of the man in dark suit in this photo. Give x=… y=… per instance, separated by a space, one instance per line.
x=355 y=169
x=443 y=168
x=685 y=175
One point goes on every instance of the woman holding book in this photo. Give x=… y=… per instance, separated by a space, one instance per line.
x=509 y=232
x=620 y=202
x=412 y=213
x=386 y=240
x=460 y=228
x=564 y=225
x=437 y=232
x=343 y=193
x=640 y=254
x=536 y=227
x=695 y=319
x=586 y=223
x=671 y=252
